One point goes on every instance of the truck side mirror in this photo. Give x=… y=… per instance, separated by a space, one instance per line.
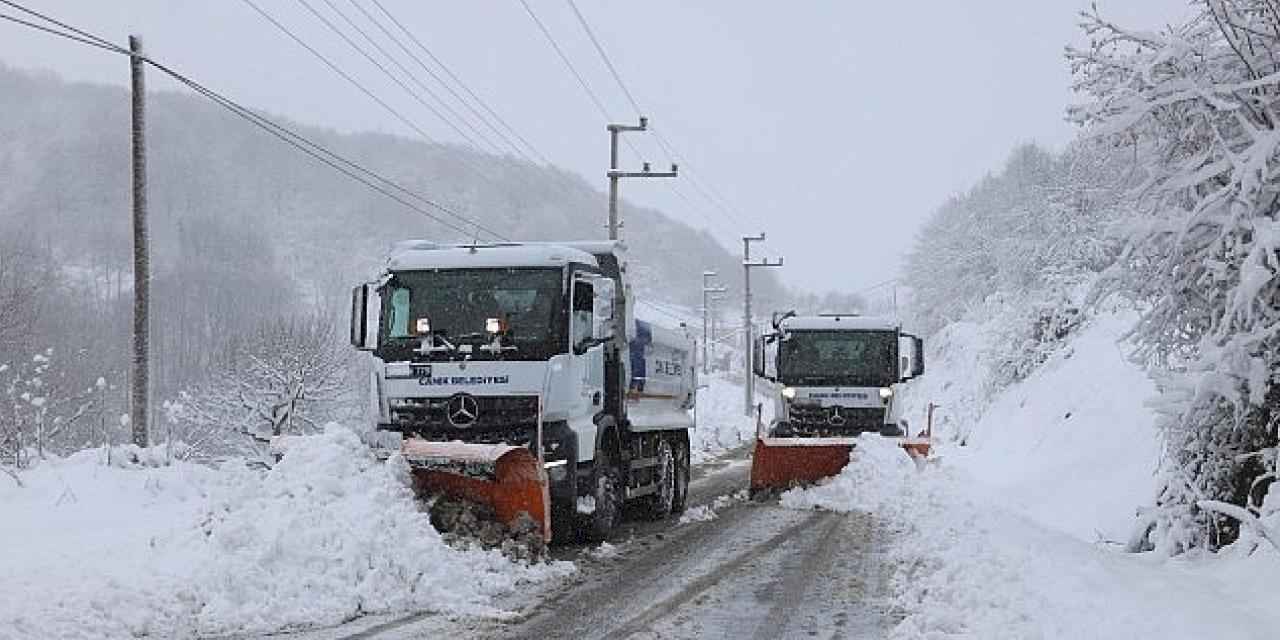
x=917 y=365
x=365 y=314
x=602 y=311
x=757 y=358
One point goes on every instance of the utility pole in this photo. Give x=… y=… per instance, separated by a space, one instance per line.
x=747 y=334
x=713 y=299
x=615 y=173
x=707 y=289
x=140 y=394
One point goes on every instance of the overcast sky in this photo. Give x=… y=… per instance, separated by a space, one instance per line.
x=836 y=127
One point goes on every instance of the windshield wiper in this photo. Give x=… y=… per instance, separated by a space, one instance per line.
x=429 y=345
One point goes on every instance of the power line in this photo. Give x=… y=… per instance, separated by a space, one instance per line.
x=693 y=179
x=323 y=154
x=60 y=34
x=338 y=70
x=311 y=148
x=667 y=147
x=409 y=52
x=463 y=160
x=417 y=97
x=603 y=56
x=100 y=42
x=520 y=176
x=565 y=59
x=514 y=132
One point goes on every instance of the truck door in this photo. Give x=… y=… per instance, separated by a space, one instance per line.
x=588 y=351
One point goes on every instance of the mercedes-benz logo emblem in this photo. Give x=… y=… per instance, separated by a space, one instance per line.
x=462 y=410
x=835 y=419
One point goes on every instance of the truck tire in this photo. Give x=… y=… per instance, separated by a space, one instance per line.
x=680 y=496
x=606 y=492
x=662 y=502
x=564 y=523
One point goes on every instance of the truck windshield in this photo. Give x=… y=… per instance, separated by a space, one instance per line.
x=449 y=310
x=839 y=358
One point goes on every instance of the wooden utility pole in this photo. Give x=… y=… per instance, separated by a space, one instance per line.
x=140 y=396
x=615 y=174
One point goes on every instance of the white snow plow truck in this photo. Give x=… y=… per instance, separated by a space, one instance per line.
x=835 y=377
x=515 y=375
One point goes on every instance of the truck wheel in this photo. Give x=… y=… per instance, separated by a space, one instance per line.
x=564 y=524
x=681 y=494
x=659 y=505
x=606 y=492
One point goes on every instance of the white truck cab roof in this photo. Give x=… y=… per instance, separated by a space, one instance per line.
x=422 y=254
x=834 y=322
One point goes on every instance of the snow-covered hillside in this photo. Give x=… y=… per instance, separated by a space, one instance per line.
x=1072 y=446
x=1018 y=532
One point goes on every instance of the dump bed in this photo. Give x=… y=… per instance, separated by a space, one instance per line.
x=662 y=378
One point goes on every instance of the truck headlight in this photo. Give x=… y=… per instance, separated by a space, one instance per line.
x=788 y=392
x=399 y=370
x=886 y=393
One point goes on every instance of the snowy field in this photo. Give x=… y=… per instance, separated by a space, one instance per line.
x=139 y=548
x=1018 y=534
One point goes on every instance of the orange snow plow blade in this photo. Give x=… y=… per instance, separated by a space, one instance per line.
x=782 y=463
x=505 y=478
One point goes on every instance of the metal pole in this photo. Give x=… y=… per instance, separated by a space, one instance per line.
x=614 y=172
x=707 y=290
x=140 y=394
x=613 y=182
x=749 y=387
x=705 y=337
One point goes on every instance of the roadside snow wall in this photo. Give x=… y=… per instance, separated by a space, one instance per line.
x=1072 y=446
x=330 y=533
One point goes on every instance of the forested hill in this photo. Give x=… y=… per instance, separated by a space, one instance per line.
x=233 y=207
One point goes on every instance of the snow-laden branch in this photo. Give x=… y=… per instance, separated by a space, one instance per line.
x=1243 y=516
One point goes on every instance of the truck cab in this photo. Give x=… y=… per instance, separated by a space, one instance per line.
x=532 y=345
x=837 y=375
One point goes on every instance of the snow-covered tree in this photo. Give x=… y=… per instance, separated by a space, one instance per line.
x=44 y=409
x=1197 y=105
x=287 y=377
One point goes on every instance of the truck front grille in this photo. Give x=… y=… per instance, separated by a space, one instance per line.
x=498 y=419
x=822 y=422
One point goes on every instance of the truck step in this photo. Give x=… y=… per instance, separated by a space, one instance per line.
x=643 y=463
x=637 y=492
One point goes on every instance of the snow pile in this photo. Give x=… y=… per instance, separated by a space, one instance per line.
x=1072 y=446
x=604 y=551
x=328 y=534
x=1015 y=534
x=709 y=512
x=703 y=513
x=967 y=566
x=331 y=533
x=721 y=425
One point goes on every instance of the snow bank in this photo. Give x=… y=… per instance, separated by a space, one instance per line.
x=967 y=566
x=721 y=424
x=1008 y=536
x=328 y=534
x=1072 y=447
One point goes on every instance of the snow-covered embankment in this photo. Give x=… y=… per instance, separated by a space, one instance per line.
x=1014 y=534
x=178 y=550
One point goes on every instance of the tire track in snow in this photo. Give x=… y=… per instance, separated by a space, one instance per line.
x=640 y=622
